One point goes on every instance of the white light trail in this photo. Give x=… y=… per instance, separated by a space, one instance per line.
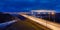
x=49 y=24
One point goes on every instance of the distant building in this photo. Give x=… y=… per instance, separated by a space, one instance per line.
x=39 y=13
x=42 y=11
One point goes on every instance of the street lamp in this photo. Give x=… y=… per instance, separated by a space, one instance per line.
x=53 y=14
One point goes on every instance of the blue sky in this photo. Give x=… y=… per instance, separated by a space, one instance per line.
x=27 y=5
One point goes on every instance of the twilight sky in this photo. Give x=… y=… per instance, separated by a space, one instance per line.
x=27 y=5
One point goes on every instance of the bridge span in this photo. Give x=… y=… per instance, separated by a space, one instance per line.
x=48 y=24
x=38 y=23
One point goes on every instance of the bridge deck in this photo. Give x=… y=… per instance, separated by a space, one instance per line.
x=51 y=25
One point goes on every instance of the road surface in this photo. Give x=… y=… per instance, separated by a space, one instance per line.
x=23 y=25
x=51 y=25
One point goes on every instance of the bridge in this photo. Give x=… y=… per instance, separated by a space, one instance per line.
x=48 y=24
x=35 y=23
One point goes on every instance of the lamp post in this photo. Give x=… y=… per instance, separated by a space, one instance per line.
x=49 y=15
x=53 y=14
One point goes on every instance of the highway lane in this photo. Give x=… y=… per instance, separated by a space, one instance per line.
x=51 y=25
x=23 y=25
